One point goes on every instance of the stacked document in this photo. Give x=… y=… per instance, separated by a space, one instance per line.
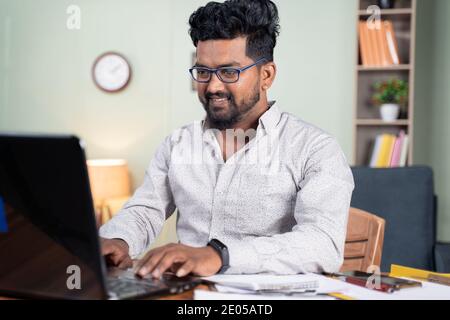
x=308 y=286
x=273 y=287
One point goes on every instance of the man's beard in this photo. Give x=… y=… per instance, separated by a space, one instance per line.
x=234 y=113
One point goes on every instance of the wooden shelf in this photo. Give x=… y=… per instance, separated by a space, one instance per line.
x=401 y=67
x=366 y=123
x=388 y=12
x=379 y=122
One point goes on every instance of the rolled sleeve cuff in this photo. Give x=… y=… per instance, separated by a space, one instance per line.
x=133 y=250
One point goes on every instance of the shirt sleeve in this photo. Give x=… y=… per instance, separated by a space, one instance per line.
x=316 y=242
x=143 y=216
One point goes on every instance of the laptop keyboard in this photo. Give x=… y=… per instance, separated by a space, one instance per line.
x=127 y=285
x=124 y=288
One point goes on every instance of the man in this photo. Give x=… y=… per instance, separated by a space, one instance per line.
x=284 y=213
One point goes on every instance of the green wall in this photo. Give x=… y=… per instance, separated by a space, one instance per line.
x=45 y=82
x=433 y=101
x=440 y=115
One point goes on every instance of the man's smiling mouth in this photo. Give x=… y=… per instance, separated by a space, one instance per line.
x=218 y=102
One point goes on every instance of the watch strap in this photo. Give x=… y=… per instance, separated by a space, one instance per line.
x=222 y=250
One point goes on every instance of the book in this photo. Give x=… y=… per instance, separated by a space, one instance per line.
x=370 y=56
x=396 y=154
x=389 y=151
x=383 y=151
x=374 y=45
x=404 y=153
x=363 y=44
x=385 y=46
x=376 y=151
x=378 y=38
x=384 y=157
x=392 y=140
x=378 y=45
x=392 y=42
x=384 y=50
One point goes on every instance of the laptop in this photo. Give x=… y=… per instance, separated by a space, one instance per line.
x=49 y=244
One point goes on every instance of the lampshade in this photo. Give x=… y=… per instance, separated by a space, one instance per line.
x=109 y=179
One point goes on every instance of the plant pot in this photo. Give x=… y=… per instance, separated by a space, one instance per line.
x=389 y=112
x=386 y=4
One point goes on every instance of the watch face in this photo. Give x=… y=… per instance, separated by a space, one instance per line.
x=111 y=72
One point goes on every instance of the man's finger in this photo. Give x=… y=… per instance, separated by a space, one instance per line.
x=140 y=263
x=126 y=263
x=174 y=267
x=107 y=249
x=117 y=257
x=149 y=262
x=166 y=262
x=186 y=268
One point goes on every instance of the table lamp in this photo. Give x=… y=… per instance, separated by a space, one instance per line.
x=110 y=182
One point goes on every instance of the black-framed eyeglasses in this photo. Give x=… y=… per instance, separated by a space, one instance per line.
x=225 y=74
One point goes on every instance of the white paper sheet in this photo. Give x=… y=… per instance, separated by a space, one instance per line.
x=265 y=281
x=323 y=286
x=428 y=291
x=213 y=295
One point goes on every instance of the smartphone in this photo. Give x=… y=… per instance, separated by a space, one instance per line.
x=396 y=283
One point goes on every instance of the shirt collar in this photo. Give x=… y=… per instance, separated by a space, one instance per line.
x=270 y=119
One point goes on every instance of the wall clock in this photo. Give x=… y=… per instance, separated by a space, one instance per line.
x=111 y=72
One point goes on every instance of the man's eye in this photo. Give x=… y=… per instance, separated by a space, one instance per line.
x=228 y=72
x=202 y=72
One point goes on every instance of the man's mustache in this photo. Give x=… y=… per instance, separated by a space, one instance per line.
x=217 y=95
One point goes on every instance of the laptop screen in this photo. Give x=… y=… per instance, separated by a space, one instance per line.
x=48 y=238
x=3 y=225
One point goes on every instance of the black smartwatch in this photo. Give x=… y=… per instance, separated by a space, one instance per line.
x=222 y=250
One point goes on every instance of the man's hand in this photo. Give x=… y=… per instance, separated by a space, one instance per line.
x=181 y=260
x=116 y=253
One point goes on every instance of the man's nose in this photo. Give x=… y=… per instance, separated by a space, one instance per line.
x=215 y=84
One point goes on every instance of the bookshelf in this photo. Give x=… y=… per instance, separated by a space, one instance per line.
x=387 y=12
x=367 y=124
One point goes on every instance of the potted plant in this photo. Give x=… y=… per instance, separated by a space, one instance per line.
x=390 y=95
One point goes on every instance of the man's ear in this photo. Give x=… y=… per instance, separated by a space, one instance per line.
x=268 y=74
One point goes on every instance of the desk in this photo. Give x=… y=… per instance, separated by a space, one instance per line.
x=188 y=295
x=432 y=291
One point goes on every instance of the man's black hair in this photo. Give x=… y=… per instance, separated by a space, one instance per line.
x=255 y=19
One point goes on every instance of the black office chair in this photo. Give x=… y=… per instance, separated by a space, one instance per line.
x=405 y=198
